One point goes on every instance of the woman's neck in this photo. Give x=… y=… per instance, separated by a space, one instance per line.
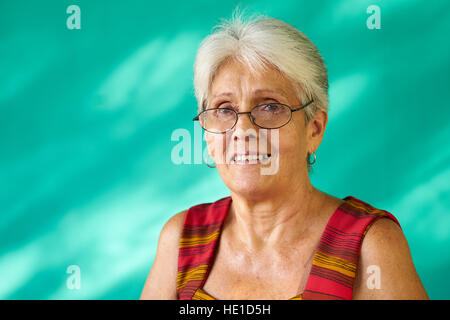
x=283 y=217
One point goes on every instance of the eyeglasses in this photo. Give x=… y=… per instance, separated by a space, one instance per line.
x=266 y=116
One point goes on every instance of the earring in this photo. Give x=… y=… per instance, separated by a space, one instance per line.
x=314 y=154
x=208 y=163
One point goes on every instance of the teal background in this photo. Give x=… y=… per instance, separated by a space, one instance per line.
x=86 y=118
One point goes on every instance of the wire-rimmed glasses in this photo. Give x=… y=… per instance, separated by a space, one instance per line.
x=266 y=116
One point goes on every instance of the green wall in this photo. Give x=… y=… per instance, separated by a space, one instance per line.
x=86 y=118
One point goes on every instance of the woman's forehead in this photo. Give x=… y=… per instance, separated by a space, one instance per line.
x=231 y=80
x=232 y=69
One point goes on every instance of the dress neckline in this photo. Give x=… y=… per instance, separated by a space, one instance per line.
x=228 y=200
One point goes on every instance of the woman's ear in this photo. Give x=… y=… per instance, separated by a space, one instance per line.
x=316 y=130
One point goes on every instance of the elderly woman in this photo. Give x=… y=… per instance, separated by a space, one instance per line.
x=261 y=87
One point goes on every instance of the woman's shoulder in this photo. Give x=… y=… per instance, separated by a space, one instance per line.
x=198 y=213
x=379 y=228
x=385 y=267
x=382 y=235
x=364 y=214
x=176 y=222
x=208 y=213
x=161 y=281
x=172 y=228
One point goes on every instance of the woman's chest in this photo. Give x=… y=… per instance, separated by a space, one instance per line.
x=243 y=276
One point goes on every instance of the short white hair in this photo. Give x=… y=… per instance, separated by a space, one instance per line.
x=258 y=43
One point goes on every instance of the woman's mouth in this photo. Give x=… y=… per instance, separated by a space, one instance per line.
x=250 y=159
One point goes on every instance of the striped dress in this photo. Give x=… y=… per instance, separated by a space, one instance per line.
x=335 y=259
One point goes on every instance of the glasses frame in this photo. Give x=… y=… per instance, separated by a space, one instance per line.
x=252 y=119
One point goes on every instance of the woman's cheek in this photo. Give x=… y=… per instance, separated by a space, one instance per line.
x=216 y=146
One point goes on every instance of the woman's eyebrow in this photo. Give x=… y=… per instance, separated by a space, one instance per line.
x=255 y=92
x=226 y=94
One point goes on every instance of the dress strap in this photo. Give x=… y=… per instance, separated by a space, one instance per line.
x=199 y=238
x=336 y=259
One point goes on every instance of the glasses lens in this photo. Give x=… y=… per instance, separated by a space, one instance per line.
x=218 y=120
x=271 y=115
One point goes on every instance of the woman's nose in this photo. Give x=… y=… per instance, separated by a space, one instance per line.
x=245 y=129
x=245 y=122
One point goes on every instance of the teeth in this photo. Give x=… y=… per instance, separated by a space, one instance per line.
x=250 y=157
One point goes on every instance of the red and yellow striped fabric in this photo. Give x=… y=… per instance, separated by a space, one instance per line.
x=335 y=259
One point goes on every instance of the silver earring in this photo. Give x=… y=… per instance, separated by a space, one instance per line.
x=314 y=154
x=208 y=163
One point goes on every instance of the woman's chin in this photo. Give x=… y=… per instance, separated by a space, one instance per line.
x=249 y=186
x=247 y=179
x=246 y=175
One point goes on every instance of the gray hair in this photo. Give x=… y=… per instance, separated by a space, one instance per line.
x=262 y=42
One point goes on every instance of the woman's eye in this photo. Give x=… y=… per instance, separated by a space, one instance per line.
x=271 y=107
x=225 y=111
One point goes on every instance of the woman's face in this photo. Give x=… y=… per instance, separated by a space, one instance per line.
x=234 y=86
